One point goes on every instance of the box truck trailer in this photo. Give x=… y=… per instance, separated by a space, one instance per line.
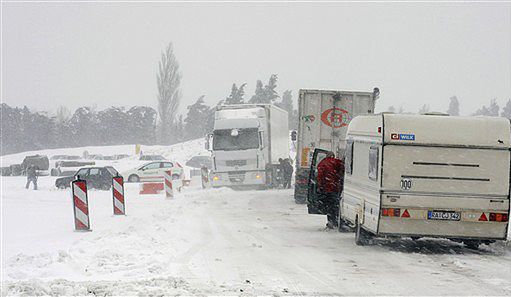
x=324 y=116
x=246 y=144
x=427 y=176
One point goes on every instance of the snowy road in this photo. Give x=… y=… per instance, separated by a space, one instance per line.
x=221 y=242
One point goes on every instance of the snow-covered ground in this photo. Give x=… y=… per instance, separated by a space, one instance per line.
x=218 y=242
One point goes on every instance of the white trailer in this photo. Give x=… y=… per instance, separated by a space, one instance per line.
x=427 y=176
x=324 y=116
x=246 y=144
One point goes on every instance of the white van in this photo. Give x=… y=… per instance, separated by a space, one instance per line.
x=427 y=176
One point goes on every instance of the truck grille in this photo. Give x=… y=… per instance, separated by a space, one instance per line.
x=234 y=163
x=236 y=176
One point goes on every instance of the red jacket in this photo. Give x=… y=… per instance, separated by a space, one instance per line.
x=330 y=175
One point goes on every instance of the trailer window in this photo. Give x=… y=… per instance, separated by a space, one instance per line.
x=373 y=162
x=348 y=160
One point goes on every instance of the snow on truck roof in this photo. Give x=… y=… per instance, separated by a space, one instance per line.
x=413 y=129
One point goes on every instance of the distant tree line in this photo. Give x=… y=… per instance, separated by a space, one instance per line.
x=26 y=130
x=492 y=109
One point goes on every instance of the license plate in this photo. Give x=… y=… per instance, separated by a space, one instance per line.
x=444 y=215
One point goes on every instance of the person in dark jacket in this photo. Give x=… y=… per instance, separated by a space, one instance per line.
x=287 y=172
x=31 y=176
x=330 y=184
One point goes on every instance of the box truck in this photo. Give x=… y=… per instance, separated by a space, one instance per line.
x=324 y=116
x=427 y=176
x=246 y=144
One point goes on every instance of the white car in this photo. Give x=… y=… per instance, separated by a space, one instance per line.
x=153 y=171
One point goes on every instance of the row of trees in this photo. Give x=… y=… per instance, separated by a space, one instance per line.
x=493 y=109
x=24 y=130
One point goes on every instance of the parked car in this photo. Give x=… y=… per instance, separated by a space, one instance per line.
x=199 y=161
x=39 y=161
x=96 y=177
x=95 y=157
x=153 y=172
x=121 y=156
x=152 y=158
x=65 y=157
x=68 y=168
x=5 y=171
x=16 y=169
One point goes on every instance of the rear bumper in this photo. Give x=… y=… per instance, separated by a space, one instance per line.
x=446 y=229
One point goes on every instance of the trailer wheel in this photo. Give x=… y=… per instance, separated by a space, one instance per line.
x=361 y=235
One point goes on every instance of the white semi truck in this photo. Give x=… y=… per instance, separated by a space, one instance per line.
x=246 y=144
x=324 y=116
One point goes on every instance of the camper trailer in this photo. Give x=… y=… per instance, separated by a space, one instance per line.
x=427 y=176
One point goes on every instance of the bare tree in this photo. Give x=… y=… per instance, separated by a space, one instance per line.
x=454 y=106
x=169 y=94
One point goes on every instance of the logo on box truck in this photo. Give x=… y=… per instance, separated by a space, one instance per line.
x=335 y=117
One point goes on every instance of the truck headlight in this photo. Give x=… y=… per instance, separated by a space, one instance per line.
x=216 y=177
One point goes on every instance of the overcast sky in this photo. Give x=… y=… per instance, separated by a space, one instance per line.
x=105 y=54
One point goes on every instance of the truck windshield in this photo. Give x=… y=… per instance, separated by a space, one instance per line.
x=246 y=139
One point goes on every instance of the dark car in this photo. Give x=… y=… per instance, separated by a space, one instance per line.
x=96 y=177
x=199 y=161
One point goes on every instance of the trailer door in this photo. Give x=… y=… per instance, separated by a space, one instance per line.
x=314 y=202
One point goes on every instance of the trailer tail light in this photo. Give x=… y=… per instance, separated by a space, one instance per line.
x=379 y=129
x=498 y=217
x=483 y=218
x=391 y=212
x=405 y=214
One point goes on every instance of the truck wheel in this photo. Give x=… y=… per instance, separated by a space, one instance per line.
x=300 y=194
x=361 y=235
x=133 y=178
x=472 y=244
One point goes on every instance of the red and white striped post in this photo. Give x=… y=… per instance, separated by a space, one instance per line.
x=80 y=205
x=118 y=195
x=169 y=193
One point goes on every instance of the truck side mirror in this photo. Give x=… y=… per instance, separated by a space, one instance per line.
x=293 y=135
x=207 y=143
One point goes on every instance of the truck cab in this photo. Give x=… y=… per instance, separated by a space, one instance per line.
x=246 y=143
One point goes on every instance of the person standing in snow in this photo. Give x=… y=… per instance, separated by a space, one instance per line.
x=330 y=184
x=287 y=172
x=31 y=176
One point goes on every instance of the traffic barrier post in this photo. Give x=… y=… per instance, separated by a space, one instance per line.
x=80 y=205
x=169 y=193
x=118 y=195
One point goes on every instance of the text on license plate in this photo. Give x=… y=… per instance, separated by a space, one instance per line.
x=444 y=215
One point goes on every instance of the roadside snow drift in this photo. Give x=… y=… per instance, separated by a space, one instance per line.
x=217 y=241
